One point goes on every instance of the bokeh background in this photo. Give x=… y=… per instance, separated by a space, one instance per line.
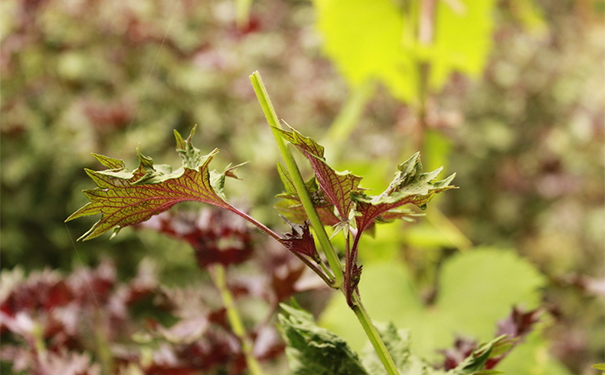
x=511 y=99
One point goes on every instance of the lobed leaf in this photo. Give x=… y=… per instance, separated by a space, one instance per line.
x=342 y=192
x=337 y=186
x=300 y=240
x=125 y=198
x=410 y=185
x=312 y=350
x=378 y=40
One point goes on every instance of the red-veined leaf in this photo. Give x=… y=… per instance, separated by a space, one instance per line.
x=337 y=186
x=125 y=198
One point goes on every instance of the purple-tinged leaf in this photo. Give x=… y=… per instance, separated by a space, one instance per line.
x=301 y=241
x=215 y=236
x=510 y=330
x=519 y=323
x=291 y=207
x=125 y=198
x=337 y=186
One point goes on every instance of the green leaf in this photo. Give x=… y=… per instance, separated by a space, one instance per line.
x=125 y=198
x=463 y=39
x=476 y=289
x=312 y=350
x=474 y=364
x=364 y=40
x=410 y=185
x=377 y=40
x=599 y=366
x=532 y=357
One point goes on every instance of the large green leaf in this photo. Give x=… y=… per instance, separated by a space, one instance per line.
x=476 y=290
x=363 y=39
x=378 y=40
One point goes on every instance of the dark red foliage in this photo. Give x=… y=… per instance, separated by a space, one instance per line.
x=519 y=323
x=64 y=313
x=86 y=320
x=463 y=347
x=42 y=291
x=301 y=241
x=516 y=326
x=216 y=236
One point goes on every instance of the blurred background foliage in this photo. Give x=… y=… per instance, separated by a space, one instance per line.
x=508 y=94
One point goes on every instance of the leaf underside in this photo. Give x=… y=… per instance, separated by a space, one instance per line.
x=126 y=198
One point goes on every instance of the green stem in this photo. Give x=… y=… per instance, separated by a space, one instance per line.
x=217 y=273
x=373 y=335
x=297 y=180
x=39 y=344
x=242 y=13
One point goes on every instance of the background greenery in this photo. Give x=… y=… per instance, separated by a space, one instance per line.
x=513 y=102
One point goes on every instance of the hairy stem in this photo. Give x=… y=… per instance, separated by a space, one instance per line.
x=217 y=273
x=373 y=335
x=297 y=180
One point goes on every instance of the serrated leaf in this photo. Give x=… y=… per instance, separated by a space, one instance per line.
x=397 y=343
x=291 y=207
x=301 y=241
x=342 y=189
x=474 y=364
x=125 y=198
x=337 y=186
x=312 y=350
x=410 y=185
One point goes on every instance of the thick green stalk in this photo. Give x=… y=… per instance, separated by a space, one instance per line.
x=373 y=335
x=218 y=276
x=299 y=183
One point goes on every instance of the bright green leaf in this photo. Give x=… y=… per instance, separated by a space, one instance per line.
x=397 y=343
x=476 y=290
x=379 y=40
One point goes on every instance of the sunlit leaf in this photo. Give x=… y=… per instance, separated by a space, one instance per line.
x=125 y=198
x=475 y=291
x=378 y=40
